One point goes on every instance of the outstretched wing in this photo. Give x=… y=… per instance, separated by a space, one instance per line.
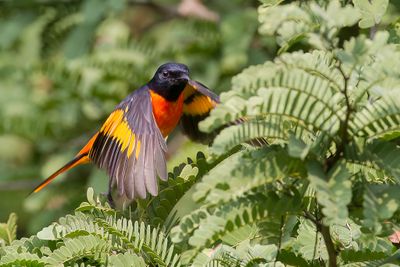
x=130 y=147
x=198 y=102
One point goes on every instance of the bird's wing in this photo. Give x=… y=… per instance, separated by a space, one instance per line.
x=130 y=147
x=198 y=102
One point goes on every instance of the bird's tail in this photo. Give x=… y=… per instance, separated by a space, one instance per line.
x=81 y=158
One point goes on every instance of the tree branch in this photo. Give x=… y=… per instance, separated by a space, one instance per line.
x=330 y=247
x=324 y=229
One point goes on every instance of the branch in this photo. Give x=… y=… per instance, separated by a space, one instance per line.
x=344 y=126
x=330 y=247
x=280 y=239
x=325 y=232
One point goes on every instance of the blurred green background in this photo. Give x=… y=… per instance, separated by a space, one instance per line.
x=65 y=64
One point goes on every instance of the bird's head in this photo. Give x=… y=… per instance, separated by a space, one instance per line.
x=169 y=80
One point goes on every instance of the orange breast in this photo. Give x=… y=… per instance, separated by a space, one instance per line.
x=166 y=113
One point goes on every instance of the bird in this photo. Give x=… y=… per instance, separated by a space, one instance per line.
x=131 y=144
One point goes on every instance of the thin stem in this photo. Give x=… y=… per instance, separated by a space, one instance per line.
x=324 y=229
x=325 y=232
x=330 y=247
x=348 y=105
x=280 y=238
x=344 y=125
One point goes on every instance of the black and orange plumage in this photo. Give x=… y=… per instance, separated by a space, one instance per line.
x=131 y=145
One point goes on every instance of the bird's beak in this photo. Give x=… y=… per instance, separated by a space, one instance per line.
x=184 y=77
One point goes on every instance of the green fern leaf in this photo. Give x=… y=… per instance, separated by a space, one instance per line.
x=245 y=171
x=380 y=203
x=73 y=250
x=21 y=259
x=383 y=156
x=126 y=260
x=141 y=238
x=8 y=231
x=371 y=12
x=378 y=119
x=334 y=195
x=318 y=63
x=309 y=242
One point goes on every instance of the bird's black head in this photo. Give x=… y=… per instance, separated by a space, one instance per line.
x=169 y=80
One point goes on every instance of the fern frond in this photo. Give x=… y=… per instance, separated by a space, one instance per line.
x=203 y=228
x=184 y=230
x=243 y=172
x=73 y=250
x=138 y=237
x=269 y=127
x=377 y=119
x=158 y=209
x=233 y=107
x=309 y=243
x=335 y=195
x=383 y=156
x=16 y=258
x=119 y=234
x=222 y=256
x=318 y=63
x=314 y=24
x=380 y=203
x=252 y=78
x=230 y=216
x=300 y=107
x=126 y=260
x=288 y=95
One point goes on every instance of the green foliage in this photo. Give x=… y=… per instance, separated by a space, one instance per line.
x=65 y=65
x=323 y=189
x=94 y=236
x=330 y=109
x=8 y=231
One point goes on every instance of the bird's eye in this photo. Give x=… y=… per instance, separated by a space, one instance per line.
x=165 y=74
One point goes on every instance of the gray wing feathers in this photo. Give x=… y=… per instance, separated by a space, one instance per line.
x=136 y=174
x=142 y=177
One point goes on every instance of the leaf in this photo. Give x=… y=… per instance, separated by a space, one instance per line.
x=22 y=259
x=126 y=259
x=347 y=234
x=371 y=11
x=377 y=119
x=353 y=256
x=297 y=148
x=333 y=190
x=380 y=203
x=78 y=248
x=8 y=231
x=382 y=155
x=243 y=172
x=310 y=243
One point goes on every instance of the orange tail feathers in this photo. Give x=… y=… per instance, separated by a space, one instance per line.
x=81 y=158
